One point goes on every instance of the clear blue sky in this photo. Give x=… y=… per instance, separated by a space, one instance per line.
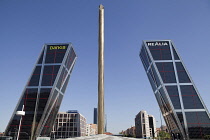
x=26 y=25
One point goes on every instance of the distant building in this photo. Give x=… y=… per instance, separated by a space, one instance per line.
x=152 y=126
x=69 y=124
x=105 y=127
x=95 y=119
x=95 y=116
x=142 y=125
x=93 y=129
x=158 y=130
x=162 y=128
x=88 y=129
x=132 y=131
x=122 y=132
x=1 y=134
x=127 y=132
x=145 y=125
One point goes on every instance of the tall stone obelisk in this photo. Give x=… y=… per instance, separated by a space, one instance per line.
x=101 y=71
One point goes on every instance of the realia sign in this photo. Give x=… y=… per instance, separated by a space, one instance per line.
x=157 y=43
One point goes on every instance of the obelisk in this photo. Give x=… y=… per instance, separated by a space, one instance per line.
x=101 y=71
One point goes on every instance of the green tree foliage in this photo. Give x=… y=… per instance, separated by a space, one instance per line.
x=207 y=137
x=164 y=135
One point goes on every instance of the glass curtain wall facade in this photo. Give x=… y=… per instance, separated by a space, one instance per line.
x=183 y=109
x=43 y=93
x=68 y=125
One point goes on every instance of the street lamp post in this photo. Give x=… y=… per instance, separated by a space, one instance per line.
x=20 y=113
x=156 y=132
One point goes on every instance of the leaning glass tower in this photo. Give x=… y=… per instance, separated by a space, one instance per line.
x=181 y=105
x=39 y=103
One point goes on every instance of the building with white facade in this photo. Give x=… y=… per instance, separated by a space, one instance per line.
x=93 y=129
x=69 y=124
x=142 y=125
x=145 y=125
x=87 y=129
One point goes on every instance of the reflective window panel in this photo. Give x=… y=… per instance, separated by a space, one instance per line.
x=198 y=124
x=166 y=71
x=182 y=75
x=160 y=50
x=190 y=97
x=174 y=96
x=55 y=53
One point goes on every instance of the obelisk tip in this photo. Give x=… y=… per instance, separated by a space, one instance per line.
x=101 y=6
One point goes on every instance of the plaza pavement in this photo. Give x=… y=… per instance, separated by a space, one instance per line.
x=102 y=137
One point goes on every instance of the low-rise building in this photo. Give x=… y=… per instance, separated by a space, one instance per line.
x=158 y=130
x=127 y=132
x=142 y=125
x=88 y=129
x=69 y=124
x=132 y=131
x=145 y=125
x=93 y=129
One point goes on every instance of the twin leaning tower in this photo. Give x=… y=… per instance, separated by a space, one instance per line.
x=184 y=111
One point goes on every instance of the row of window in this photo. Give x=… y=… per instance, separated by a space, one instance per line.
x=198 y=123
x=65 y=123
x=46 y=130
x=195 y=121
x=167 y=72
x=158 y=53
x=65 y=129
x=48 y=77
x=69 y=119
x=189 y=95
x=50 y=72
x=162 y=51
x=165 y=69
x=66 y=115
x=190 y=101
x=53 y=55
x=65 y=134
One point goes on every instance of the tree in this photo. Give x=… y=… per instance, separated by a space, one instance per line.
x=164 y=135
x=207 y=137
